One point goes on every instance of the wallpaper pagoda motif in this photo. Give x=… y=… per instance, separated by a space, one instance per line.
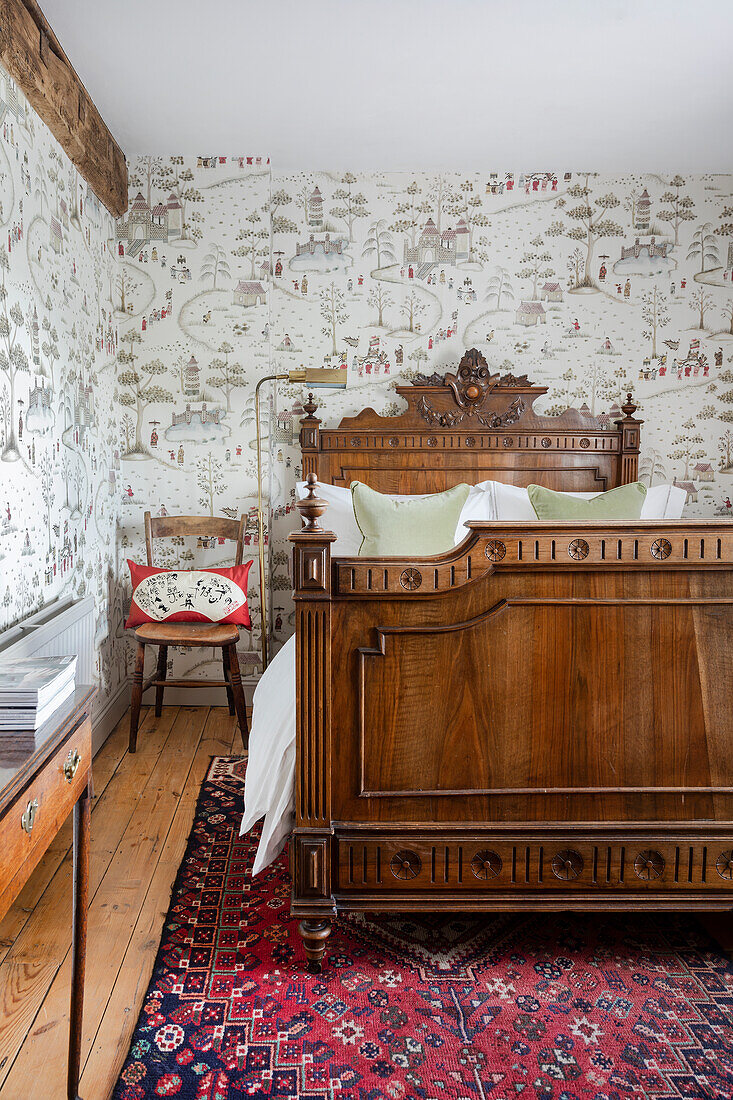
x=590 y=285
x=59 y=448
x=129 y=351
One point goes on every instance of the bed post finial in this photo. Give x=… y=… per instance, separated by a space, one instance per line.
x=629 y=408
x=311 y=507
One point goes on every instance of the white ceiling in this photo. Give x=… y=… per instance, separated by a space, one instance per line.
x=618 y=85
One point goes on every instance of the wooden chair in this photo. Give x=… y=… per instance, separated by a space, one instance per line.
x=222 y=636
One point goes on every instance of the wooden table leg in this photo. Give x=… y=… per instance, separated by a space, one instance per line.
x=82 y=822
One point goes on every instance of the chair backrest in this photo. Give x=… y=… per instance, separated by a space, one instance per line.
x=161 y=527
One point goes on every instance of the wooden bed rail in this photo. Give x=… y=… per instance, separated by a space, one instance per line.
x=648 y=544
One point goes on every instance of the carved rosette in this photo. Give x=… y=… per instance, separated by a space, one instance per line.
x=578 y=549
x=507 y=441
x=394 y=441
x=355 y=441
x=410 y=578
x=495 y=550
x=648 y=865
x=567 y=865
x=660 y=549
x=405 y=864
x=470 y=441
x=724 y=865
x=486 y=864
x=584 y=444
x=432 y=441
x=546 y=441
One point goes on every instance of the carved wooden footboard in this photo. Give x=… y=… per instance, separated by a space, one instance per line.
x=539 y=719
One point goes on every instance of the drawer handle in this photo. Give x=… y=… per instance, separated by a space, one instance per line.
x=29 y=816
x=71 y=765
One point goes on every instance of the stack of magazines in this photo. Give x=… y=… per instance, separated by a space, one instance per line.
x=32 y=688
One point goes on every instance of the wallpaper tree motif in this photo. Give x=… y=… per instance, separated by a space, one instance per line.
x=129 y=351
x=191 y=305
x=590 y=285
x=59 y=453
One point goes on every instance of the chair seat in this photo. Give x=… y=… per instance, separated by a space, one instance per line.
x=188 y=634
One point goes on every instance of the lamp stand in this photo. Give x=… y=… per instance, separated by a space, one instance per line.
x=290 y=376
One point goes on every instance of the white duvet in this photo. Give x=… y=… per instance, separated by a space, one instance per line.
x=269 y=785
x=269 y=790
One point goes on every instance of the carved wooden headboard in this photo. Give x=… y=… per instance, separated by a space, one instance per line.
x=471 y=426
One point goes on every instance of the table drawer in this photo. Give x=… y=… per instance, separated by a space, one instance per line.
x=55 y=792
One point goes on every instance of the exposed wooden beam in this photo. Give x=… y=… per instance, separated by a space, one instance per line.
x=33 y=56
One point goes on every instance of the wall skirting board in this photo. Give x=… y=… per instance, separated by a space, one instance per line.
x=106 y=717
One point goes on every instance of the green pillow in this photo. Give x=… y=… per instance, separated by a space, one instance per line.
x=419 y=527
x=624 y=502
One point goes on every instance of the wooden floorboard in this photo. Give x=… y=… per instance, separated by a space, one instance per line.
x=105 y=765
x=141 y=819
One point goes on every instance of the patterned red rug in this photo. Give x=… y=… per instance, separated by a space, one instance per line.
x=564 y=1007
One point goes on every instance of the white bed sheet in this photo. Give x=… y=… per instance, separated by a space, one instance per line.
x=269 y=785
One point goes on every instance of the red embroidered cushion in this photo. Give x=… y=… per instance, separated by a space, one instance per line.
x=189 y=595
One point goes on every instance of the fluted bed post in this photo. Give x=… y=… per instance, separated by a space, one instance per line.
x=310 y=853
x=630 y=429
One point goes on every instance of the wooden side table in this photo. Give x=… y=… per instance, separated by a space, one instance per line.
x=44 y=776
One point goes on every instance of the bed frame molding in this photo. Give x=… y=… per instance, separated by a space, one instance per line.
x=472 y=425
x=566 y=684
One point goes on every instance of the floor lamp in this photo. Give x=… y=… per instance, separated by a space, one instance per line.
x=300 y=375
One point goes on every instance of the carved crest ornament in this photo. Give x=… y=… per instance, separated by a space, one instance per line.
x=471 y=385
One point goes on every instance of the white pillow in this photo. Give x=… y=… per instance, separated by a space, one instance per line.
x=664 y=502
x=479 y=506
x=512 y=502
x=340 y=517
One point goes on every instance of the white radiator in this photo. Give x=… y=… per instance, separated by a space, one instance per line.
x=56 y=631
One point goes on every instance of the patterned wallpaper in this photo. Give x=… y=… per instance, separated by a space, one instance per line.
x=59 y=452
x=129 y=351
x=590 y=285
x=193 y=254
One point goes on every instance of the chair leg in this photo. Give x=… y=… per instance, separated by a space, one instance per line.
x=137 y=695
x=161 y=674
x=238 y=693
x=227 y=677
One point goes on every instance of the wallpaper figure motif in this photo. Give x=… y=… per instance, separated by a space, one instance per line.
x=129 y=351
x=590 y=285
x=192 y=308
x=59 y=453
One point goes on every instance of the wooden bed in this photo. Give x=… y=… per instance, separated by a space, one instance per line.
x=540 y=718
